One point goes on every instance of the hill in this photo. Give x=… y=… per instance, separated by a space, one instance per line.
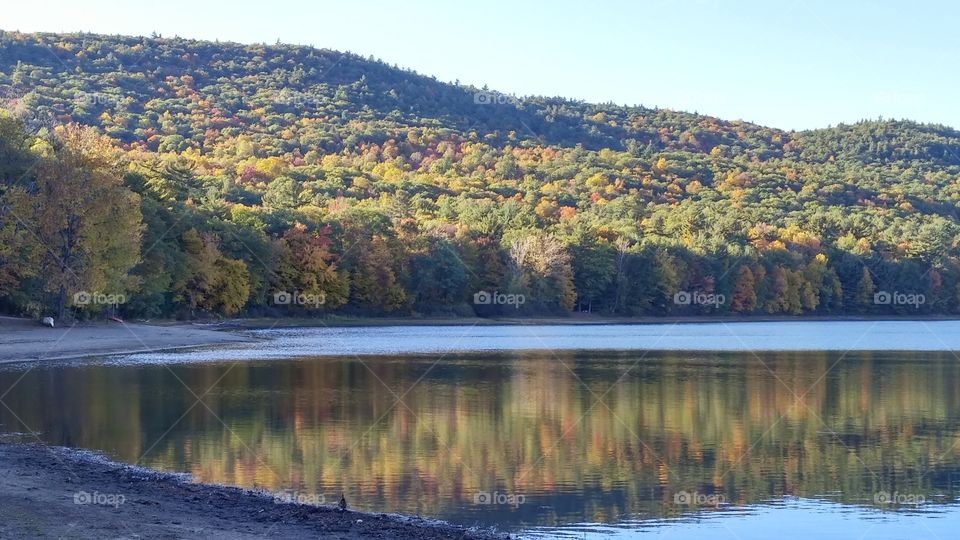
x=278 y=179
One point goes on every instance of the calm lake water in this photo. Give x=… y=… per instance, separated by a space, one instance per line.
x=747 y=443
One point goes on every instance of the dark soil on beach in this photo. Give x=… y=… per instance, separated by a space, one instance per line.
x=46 y=492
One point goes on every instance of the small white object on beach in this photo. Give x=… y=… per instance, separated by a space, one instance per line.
x=48 y=321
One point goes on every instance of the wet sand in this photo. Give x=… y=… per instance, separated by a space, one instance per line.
x=23 y=340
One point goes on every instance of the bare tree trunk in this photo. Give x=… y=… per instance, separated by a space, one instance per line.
x=61 y=302
x=622 y=247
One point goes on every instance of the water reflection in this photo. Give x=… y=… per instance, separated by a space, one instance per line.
x=581 y=437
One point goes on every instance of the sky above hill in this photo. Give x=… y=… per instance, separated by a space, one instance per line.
x=795 y=64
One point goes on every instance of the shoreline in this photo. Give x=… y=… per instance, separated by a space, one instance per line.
x=26 y=341
x=57 y=492
x=572 y=320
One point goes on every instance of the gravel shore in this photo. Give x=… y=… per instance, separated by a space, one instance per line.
x=55 y=492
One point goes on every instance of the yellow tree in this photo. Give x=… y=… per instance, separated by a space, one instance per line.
x=211 y=282
x=86 y=223
x=744 y=291
x=15 y=160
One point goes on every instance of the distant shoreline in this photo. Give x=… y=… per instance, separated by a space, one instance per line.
x=25 y=340
x=574 y=319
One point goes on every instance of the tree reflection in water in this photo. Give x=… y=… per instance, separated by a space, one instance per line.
x=595 y=437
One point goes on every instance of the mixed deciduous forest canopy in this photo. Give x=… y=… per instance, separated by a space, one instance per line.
x=194 y=178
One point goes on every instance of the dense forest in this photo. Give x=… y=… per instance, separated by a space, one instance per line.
x=158 y=177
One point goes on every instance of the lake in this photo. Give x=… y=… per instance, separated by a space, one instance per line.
x=580 y=431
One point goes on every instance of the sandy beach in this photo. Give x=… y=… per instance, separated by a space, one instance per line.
x=23 y=340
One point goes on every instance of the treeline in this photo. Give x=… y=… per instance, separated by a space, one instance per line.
x=174 y=178
x=80 y=218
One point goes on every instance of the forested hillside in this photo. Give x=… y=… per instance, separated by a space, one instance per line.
x=169 y=177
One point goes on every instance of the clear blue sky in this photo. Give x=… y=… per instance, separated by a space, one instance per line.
x=792 y=64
